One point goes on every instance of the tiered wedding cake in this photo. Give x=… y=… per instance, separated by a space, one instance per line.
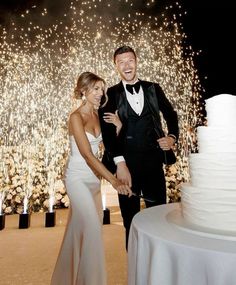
x=209 y=200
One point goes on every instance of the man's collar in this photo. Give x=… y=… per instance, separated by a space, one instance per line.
x=125 y=82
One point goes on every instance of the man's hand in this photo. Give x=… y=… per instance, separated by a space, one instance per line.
x=123 y=174
x=166 y=143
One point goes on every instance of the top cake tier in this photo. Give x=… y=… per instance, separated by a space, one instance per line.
x=221 y=110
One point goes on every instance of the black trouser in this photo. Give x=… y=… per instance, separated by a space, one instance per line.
x=148 y=178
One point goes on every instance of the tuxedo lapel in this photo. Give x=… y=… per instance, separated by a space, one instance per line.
x=121 y=102
x=150 y=95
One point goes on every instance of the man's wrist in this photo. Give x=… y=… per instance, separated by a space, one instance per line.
x=173 y=137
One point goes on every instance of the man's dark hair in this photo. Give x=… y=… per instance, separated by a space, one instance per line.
x=123 y=49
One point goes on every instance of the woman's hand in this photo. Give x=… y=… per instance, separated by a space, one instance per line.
x=113 y=118
x=121 y=188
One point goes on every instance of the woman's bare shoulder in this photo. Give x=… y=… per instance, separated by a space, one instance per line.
x=75 y=114
x=75 y=119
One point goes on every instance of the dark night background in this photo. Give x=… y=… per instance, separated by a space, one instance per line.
x=209 y=28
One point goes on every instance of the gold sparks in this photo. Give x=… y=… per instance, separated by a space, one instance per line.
x=40 y=64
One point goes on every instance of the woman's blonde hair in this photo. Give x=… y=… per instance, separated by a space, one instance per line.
x=85 y=82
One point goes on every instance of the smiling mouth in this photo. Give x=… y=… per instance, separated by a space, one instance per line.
x=128 y=72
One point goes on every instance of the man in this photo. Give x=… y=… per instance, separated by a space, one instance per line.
x=136 y=149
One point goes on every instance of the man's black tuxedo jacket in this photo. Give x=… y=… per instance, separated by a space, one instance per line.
x=117 y=100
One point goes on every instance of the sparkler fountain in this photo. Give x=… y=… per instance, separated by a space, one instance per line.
x=3 y=190
x=39 y=67
x=24 y=218
x=106 y=211
x=50 y=217
x=2 y=215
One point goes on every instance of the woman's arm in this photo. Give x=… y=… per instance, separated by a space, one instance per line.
x=77 y=129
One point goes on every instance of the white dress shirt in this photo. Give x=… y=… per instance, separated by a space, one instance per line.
x=136 y=102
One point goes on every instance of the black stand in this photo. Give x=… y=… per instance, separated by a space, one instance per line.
x=106 y=217
x=24 y=221
x=2 y=221
x=50 y=219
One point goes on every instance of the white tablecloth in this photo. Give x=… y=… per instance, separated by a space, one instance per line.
x=163 y=253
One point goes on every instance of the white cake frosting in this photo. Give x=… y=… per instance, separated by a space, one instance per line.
x=221 y=110
x=217 y=139
x=209 y=199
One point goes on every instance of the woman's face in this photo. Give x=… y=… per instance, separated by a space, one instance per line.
x=95 y=93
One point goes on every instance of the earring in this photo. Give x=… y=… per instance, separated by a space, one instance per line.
x=83 y=98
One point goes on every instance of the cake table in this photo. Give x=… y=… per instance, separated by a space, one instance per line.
x=164 y=250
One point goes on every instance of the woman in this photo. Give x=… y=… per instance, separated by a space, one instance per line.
x=81 y=259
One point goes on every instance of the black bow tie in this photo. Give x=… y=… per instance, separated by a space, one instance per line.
x=132 y=87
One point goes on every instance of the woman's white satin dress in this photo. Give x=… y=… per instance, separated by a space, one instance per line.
x=81 y=259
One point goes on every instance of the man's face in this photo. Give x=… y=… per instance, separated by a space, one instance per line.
x=126 y=65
